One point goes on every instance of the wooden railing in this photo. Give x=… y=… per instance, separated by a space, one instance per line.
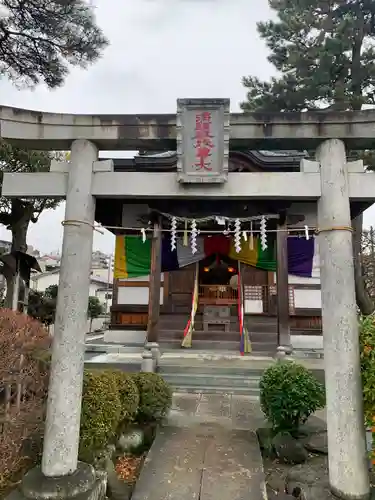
x=217 y=294
x=263 y=299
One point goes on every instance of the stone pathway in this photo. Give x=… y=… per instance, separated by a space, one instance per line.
x=208 y=450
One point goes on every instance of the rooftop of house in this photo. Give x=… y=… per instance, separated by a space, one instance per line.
x=96 y=277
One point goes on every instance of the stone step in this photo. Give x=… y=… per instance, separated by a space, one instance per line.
x=197 y=389
x=253 y=323
x=252 y=371
x=260 y=319
x=212 y=380
x=263 y=337
x=260 y=327
x=198 y=316
x=113 y=348
x=198 y=344
x=172 y=324
x=167 y=334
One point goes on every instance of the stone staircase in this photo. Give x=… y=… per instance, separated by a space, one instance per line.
x=262 y=331
x=215 y=375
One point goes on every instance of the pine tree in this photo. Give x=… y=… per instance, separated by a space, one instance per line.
x=324 y=52
x=39 y=39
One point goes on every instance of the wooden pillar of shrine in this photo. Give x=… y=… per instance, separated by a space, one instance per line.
x=283 y=323
x=154 y=286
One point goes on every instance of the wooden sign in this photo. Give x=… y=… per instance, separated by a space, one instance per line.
x=202 y=140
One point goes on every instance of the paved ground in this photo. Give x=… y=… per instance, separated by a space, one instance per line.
x=227 y=410
x=207 y=450
x=185 y=357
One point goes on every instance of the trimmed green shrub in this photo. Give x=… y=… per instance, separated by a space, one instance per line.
x=289 y=394
x=155 y=396
x=129 y=397
x=101 y=412
x=367 y=345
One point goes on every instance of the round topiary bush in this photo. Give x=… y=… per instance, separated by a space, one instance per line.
x=289 y=394
x=129 y=397
x=101 y=412
x=155 y=396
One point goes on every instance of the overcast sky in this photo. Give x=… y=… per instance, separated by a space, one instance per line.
x=160 y=50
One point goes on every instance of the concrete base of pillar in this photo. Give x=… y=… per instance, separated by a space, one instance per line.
x=148 y=364
x=154 y=348
x=343 y=496
x=83 y=484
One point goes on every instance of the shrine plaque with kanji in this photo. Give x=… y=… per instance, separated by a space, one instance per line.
x=202 y=140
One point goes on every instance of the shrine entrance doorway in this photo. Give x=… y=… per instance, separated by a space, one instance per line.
x=218 y=280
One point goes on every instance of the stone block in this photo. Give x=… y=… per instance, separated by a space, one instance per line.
x=309 y=166
x=288 y=449
x=318 y=443
x=131 y=441
x=103 y=166
x=311 y=479
x=83 y=484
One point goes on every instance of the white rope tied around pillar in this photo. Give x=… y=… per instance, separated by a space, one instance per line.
x=334 y=228
x=77 y=223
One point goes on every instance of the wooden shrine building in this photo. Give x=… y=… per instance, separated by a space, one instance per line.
x=215 y=246
x=279 y=291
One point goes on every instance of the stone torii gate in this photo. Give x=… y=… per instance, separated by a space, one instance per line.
x=330 y=181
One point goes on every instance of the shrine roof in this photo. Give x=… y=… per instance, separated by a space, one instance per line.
x=167 y=160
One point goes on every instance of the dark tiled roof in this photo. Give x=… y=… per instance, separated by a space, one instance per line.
x=153 y=161
x=276 y=153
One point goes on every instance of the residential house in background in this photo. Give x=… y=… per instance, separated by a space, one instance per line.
x=100 y=283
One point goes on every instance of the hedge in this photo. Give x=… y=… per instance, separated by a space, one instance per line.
x=101 y=412
x=155 y=396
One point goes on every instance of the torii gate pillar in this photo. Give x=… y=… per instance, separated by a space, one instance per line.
x=64 y=396
x=348 y=470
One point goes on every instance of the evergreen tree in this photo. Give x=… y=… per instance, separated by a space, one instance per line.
x=16 y=214
x=94 y=310
x=324 y=52
x=39 y=39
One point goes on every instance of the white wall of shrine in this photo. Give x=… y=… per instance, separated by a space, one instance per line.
x=305 y=294
x=253 y=306
x=137 y=295
x=305 y=298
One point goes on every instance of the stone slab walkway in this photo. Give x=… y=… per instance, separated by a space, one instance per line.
x=208 y=450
